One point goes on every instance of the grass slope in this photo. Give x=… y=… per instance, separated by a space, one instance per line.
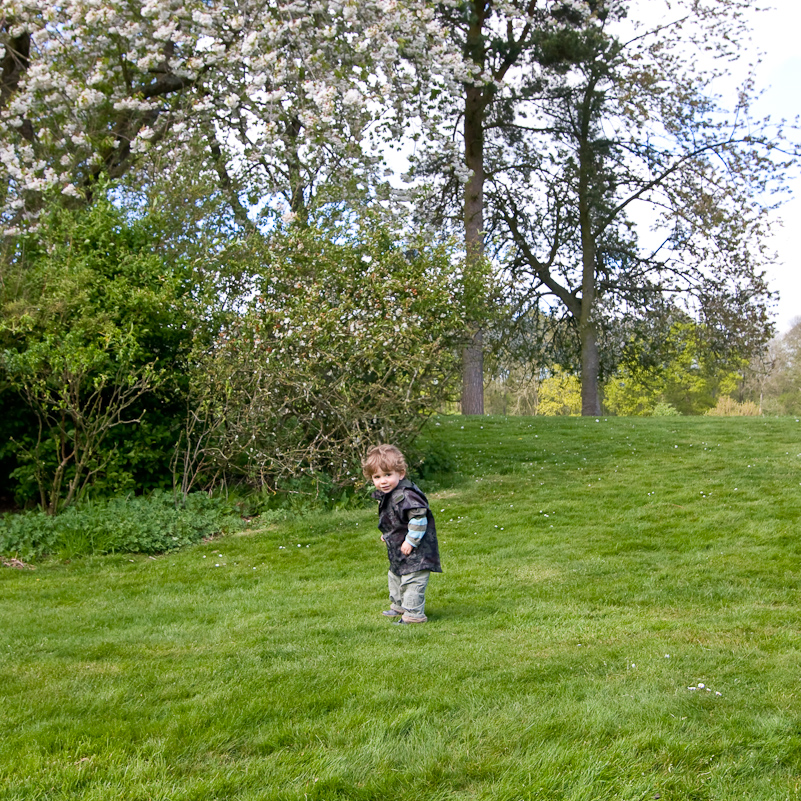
x=598 y=573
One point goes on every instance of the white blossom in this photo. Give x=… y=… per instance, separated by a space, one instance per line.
x=353 y=97
x=71 y=191
x=304 y=62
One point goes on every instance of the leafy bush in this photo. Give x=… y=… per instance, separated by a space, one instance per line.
x=683 y=372
x=147 y=525
x=96 y=322
x=663 y=409
x=346 y=339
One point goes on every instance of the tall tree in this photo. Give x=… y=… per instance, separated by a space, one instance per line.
x=495 y=42
x=622 y=129
x=580 y=131
x=779 y=386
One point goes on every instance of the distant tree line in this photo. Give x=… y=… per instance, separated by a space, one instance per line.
x=690 y=380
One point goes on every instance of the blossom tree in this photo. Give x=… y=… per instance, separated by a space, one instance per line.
x=275 y=97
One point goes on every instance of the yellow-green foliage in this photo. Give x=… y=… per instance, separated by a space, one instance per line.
x=560 y=394
x=690 y=380
x=728 y=407
x=631 y=395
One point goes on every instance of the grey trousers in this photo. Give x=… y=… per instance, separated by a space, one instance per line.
x=407 y=594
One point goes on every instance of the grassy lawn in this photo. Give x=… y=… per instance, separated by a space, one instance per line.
x=619 y=619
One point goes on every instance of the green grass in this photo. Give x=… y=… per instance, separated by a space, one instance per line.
x=595 y=572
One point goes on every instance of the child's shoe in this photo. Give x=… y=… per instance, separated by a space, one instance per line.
x=408 y=619
x=392 y=613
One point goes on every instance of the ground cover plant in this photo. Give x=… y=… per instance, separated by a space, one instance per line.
x=618 y=619
x=148 y=524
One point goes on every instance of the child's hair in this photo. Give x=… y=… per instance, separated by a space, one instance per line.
x=386 y=458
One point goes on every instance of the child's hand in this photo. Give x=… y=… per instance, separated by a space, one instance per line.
x=382 y=538
x=406 y=548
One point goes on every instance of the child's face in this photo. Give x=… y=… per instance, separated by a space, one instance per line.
x=386 y=481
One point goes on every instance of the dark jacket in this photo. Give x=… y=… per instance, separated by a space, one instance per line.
x=393 y=521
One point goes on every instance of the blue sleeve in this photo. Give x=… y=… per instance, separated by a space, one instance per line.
x=417 y=527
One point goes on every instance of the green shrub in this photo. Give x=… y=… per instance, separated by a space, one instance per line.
x=343 y=340
x=663 y=409
x=96 y=321
x=149 y=525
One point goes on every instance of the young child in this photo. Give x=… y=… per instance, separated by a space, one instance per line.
x=407 y=527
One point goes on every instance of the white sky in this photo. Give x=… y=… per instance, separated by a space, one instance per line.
x=776 y=34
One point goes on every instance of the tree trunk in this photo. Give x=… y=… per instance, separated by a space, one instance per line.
x=588 y=331
x=15 y=62
x=473 y=376
x=590 y=367
x=475 y=106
